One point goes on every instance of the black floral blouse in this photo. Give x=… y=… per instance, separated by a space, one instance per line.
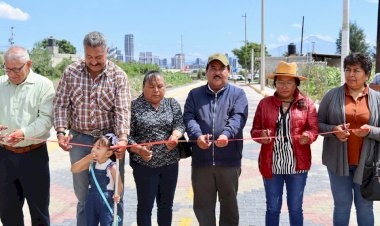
x=149 y=124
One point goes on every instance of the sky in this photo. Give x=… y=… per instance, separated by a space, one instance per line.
x=206 y=26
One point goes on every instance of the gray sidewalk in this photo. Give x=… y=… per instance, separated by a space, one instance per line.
x=318 y=204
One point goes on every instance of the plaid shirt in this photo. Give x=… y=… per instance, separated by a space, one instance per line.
x=87 y=104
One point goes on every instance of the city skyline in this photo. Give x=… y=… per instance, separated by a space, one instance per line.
x=205 y=27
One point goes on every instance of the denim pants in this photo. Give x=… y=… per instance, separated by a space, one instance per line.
x=155 y=183
x=344 y=191
x=80 y=180
x=295 y=186
x=96 y=209
x=24 y=176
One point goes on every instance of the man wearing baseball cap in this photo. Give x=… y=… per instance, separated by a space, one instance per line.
x=213 y=114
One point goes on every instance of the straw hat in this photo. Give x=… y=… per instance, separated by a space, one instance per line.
x=287 y=69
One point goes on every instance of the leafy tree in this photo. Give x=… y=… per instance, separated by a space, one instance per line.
x=244 y=54
x=64 y=46
x=41 y=61
x=63 y=64
x=357 y=40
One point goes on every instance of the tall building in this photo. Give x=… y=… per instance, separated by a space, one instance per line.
x=129 y=48
x=179 y=61
x=156 y=60
x=164 y=63
x=146 y=58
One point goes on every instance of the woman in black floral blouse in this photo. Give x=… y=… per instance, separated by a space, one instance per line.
x=155 y=167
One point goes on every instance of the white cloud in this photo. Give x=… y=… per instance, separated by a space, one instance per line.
x=283 y=39
x=297 y=25
x=9 y=12
x=326 y=38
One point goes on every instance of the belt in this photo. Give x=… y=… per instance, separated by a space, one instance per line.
x=95 y=132
x=20 y=150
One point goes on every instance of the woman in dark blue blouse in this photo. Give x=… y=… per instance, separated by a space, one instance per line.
x=155 y=167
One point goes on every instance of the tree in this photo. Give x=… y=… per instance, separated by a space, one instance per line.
x=64 y=46
x=245 y=54
x=357 y=40
x=42 y=62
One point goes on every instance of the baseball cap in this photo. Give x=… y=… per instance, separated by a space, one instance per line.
x=220 y=57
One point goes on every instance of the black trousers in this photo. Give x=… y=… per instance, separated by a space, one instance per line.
x=24 y=176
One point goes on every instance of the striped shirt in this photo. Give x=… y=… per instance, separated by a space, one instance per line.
x=86 y=104
x=284 y=161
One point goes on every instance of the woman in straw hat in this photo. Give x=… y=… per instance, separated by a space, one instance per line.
x=351 y=106
x=285 y=125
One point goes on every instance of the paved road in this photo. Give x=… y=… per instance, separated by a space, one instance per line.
x=318 y=205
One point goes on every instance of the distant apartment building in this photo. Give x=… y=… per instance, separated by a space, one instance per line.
x=146 y=58
x=156 y=60
x=233 y=62
x=178 y=62
x=164 y=63
x=197 y=64
x=129 y=48
x=115 y=53
x=119 y=55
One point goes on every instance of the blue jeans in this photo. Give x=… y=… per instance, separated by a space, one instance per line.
x=80 y=180
x=344 y=190
x=155 y=183
x=295 y=186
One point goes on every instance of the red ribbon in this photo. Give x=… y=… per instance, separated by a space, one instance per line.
x=163 y=141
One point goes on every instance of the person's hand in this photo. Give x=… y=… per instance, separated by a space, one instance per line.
x=265 y=135
x=92 y=156
x=122 y=145
x=15 y=137
x=173 y=142
x=362 y=131
x=64 y=141
x=3 y=127
x=222 y=141
x=304 y=138
x=116 y=198
x=203 y=141
x=3 y=136
x=341 y=132
x=145 y=152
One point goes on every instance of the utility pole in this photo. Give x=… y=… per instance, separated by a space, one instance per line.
x=302 y=35
x=182 y=57
x=345 y=46
x=245 y=44
x=262 y=66
x=253 y=62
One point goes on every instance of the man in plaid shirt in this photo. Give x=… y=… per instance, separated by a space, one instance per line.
x=93 y=98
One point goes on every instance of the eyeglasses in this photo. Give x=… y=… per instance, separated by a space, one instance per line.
x=348 y=71
x=284 y=83
x=14 y=70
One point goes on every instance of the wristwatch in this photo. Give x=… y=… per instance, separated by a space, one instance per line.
x=61 y=132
